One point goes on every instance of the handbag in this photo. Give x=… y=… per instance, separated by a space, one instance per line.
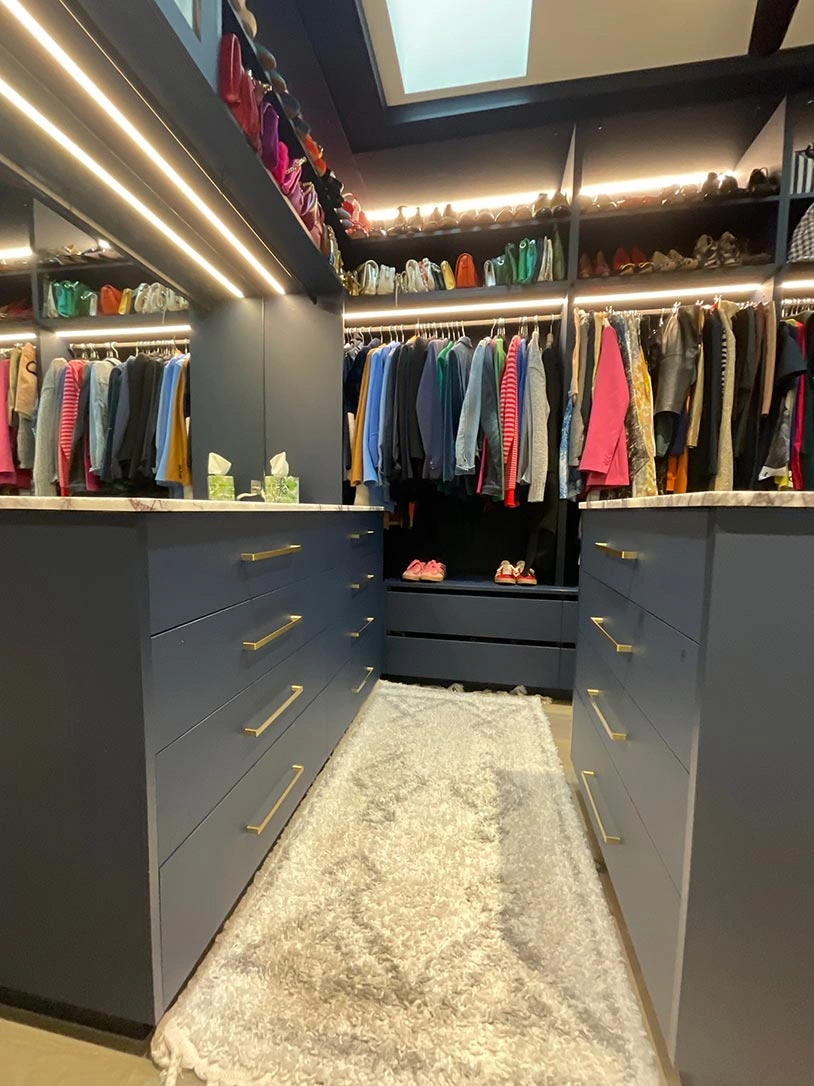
x=49 y=301
x=175 y=302
x=126 y=304
x=414 y=279
x=140 y=297
x=558 y=258
x=110 y=299
x=230 y=69
x=291 y=186
x=269 y=134
x=156 y=301
x=387 y=280
x=489 y=273
x=466 y=274
x=510 y=252
x=368 y=275
x=87 y=302
x=67 y=297
x=448 y=275
x=283 y=162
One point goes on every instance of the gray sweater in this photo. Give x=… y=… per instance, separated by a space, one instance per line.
x=45 y=455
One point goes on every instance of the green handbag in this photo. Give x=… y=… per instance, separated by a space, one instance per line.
x=67 y=297
x=527 y=261
x=512 y=260
x=87 y=304
x=558 y=259
x=503 y=272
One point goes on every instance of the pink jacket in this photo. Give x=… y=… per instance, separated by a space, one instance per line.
x=604 y=457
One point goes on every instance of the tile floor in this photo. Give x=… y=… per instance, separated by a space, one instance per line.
x=63 y=1055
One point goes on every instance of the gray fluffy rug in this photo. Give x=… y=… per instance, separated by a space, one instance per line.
x=431 y=916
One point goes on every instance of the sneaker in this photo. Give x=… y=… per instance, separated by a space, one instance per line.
x=434 y=571
x=506 y=573
x=526 y=576
x=414 y=571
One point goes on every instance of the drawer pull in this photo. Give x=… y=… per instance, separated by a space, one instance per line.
x=298 y=772
x=361 y=535
x=261 y=556
x=358 y=689
x=253 y=646
x=599 y=623
x=608 y=838
x=617 y=737
x=613 y=552
x=368 y=622
x=295 y=693
x=358 y=584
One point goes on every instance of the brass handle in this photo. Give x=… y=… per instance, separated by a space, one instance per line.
x=612 y=552
x=358 y=584
x=253 y=646
x=599 y=623
x=296 y=691
x=368 y=622
x=358 y=689
x=261 y=556
x=608 y=838
x=361 y=535
x=298 y=771
x=617 y=737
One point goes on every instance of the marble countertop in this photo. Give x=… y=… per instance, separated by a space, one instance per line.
x=170 y=505
x=731 y=499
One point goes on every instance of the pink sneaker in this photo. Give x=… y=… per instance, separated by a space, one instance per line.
x=414 y=571
x=434 y=571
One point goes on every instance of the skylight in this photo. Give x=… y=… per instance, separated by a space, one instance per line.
x=442 y=44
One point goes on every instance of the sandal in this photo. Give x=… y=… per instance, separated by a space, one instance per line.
x=434 y=571
x=640 y=260
x=682 y=263
x=506 y=573
x=663 y=263
x=706 y=252
x=414 y=571
x=729 y=253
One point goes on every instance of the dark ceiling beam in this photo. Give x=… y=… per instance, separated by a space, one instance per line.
x=770 y=26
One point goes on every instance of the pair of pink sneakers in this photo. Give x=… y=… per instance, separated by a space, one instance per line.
x=425 y=571
x=509 y=574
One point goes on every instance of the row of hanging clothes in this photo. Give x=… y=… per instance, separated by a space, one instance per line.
x=106 y=424
x=705 y=397
x=473 y=416
x=19 y=387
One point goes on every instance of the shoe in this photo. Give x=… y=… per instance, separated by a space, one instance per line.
x=761 y=184
x=586 y=268
x=691 y=193
x=485 y=217
x=682 y=263
x=523 y=213
x=601 y=267
x=505 y=215
x=622 y=264
x=414 y=571
x=640 y=261
x=434 y=571
x=729 y=253
x=559 y=204
x=664 y=263
x=448 y=220
x=525 y=576
x=415 y=224
x=506 y=573
x=468 y=220
x=433 y=222
x=706 y=252
x=729 y=187
x=542 y=206
x=603 y=203
x=671 y=195
x=400 y=224
x=711 y=187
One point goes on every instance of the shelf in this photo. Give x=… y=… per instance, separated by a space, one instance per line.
x=481 y=586
x=686 y=208
x=458 y=296
x=679 y=280
x=515 y=229
x=24 y=329
x=130 y=320
x=802 y=196
x=88 y=265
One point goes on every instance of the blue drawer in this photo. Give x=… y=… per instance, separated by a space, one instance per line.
x=349 y=690
x=198 y=667
x=194 y=773
x=660 y=673
x=649 y=900
x=655 y=779
x=657 y=559
x=496 y=663
x=509 y=617
x=203 y=878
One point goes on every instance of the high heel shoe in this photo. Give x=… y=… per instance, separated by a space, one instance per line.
x=586 y=268
x=542 y=206
x=559 y=204
x=448 y=220
x=433 y=221
x=415 y=224
x=399 y=225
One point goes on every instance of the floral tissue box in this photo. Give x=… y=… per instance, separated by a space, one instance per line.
x=221 y=488
x=282 y=488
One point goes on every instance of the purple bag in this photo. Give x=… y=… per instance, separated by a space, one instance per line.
x=270 y=135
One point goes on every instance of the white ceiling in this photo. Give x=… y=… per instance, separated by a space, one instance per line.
x=574 y=39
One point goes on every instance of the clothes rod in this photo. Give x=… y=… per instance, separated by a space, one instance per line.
x=405 y=326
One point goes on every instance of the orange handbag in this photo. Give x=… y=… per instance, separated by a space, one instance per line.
x=466 y=274
x=109 y=300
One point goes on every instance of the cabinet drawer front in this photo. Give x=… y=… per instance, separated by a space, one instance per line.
x=536 y=666
x=197 y=565
x=198 y=667
x=203 y=878
x=348 y=692
x=659 y=672
x=446 y=614
x=649 y=900
x=656 y=781
x=655 y=559
x=361 y=535
x=194 y=773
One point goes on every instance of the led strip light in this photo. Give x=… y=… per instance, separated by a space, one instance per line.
x=135 y=332
x=20 y=252
x=97 y=169
x=17 y=337
x=55 y=52
x=667 y=295
x=797 y=284
x=524 y=305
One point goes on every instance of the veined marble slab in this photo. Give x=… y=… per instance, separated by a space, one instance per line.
x=170 y=505
x=732 y=499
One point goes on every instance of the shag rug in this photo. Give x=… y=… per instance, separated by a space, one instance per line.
x=431 y=916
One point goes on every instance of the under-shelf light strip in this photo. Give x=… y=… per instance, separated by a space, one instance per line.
x=18 y=337
x=133 y=332
x=797 y=284
x=668 y=295
x=111 y=110
x=19 y=252
x=101 y=174
x=524 y=305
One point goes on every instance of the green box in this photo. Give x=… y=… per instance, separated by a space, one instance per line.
x=221 y=488
x=282 y=488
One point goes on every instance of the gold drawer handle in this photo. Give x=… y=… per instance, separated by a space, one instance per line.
x=599 y=623
x=358 y=584
x=617 y=737
x=253 y=646
x=608 y=838
x=612 y=552
x=296 y=691
x=361 y=535
x=368 y=622
x=261 y=556
x=358 y=689
x=298 y=772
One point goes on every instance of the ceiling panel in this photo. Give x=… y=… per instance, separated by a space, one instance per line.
x=801 y=31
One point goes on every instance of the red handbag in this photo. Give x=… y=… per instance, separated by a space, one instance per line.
x=466 y=274
x=283 y=162
x=230 y=69
x=109 y=300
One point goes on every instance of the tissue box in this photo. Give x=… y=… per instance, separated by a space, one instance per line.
x=282 y=488
x=221 y=488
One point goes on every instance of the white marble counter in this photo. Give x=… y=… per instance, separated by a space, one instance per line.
x=170 y=505
x=731 y=499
